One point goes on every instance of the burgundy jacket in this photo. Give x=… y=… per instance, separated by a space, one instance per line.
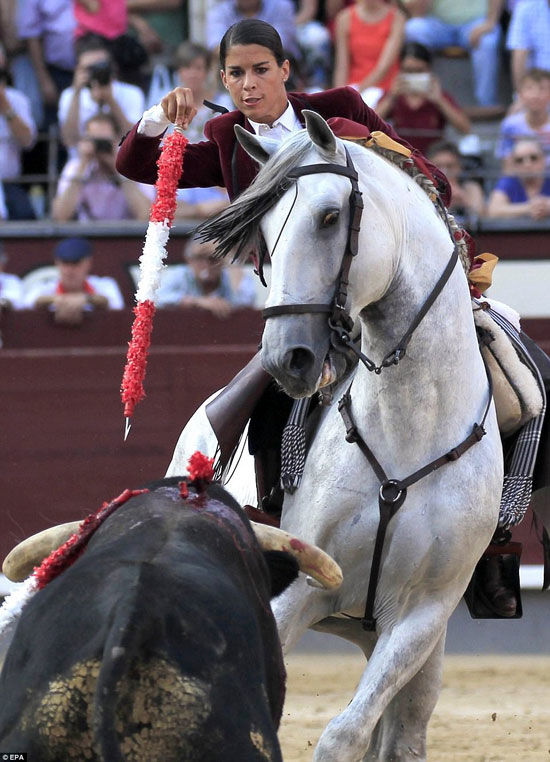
x=210 y=162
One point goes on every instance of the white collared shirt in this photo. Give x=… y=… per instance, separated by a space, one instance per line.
x=154 y=122
x=288 y=122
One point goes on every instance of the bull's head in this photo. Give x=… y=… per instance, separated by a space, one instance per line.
x=313 y=561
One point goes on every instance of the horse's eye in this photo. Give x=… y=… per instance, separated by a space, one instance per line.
x=330 y=218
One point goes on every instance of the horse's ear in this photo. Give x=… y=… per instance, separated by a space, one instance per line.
x=259 y=148
x=319 y=131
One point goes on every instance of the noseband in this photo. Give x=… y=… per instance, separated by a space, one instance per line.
x=339 y=320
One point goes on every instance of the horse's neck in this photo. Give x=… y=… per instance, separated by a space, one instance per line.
x=440 y=384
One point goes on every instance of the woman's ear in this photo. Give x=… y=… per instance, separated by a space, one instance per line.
x=224 y=79
x=286 y=69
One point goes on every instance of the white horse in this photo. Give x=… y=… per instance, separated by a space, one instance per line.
x=409 y=414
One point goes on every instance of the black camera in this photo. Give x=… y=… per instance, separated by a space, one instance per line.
x=101 y=73
x=102 y=145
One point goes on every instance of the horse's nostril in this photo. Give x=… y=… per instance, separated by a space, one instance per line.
x=299 y=360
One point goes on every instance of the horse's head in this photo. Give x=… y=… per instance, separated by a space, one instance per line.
x=306 y=235
x=303 y=209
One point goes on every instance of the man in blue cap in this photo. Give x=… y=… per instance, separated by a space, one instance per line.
x=74 y=292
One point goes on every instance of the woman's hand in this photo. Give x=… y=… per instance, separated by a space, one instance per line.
x=539 y=207
x=434 y=92
x=400 y=86
x=179 y=106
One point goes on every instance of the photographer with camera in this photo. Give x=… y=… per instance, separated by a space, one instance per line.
x=416 y=104
x=90 y=188
x=17 y=133
x=96 y=88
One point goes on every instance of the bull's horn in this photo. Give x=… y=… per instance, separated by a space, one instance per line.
x=20 y=561
x=311 y=559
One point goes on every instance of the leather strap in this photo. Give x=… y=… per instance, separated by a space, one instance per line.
x=393 y=492
x=398 y=352
x=216 y=107
x=295 y=309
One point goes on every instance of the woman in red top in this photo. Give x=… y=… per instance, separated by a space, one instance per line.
x=368 y=38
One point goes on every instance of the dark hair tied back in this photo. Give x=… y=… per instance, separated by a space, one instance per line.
x=252 y=32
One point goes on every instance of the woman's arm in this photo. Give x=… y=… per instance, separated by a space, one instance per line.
x=389 y=53
x=494 y=12
x=500 y=206
x=341 y=49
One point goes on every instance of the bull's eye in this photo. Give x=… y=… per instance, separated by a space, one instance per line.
x=330 y=218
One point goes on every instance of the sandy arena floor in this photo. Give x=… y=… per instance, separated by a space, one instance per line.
x=491 y=708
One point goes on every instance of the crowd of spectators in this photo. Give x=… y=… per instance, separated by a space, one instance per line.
x=68 y=289
x=81 y=73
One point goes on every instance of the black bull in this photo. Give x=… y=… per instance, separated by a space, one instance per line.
x=157 y=644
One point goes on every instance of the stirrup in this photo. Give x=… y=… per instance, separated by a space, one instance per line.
x=480 y=604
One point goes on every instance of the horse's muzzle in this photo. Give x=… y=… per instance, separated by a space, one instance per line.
x=297 y=370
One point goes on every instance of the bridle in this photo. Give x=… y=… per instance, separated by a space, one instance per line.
x=339 y=320
x=392 y=492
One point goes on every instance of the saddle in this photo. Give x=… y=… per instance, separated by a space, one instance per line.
x=516 y=391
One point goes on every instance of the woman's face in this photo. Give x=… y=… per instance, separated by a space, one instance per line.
x=256 y=82
x=528 y=159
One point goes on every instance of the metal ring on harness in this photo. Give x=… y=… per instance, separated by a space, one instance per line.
x=399 y=493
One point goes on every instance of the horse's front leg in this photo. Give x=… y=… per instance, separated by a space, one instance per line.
x=397 y=657
x=402 y=729
x=297 y=608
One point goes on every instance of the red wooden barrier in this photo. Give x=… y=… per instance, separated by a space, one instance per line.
x=62 y=448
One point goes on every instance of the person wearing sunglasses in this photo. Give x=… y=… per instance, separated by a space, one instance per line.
x=525 y=192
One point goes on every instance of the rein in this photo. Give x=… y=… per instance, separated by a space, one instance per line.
x=392 y=492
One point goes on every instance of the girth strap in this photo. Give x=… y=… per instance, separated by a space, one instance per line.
x=393 y=492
